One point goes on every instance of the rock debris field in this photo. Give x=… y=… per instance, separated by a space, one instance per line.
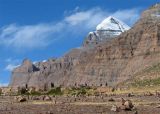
x=80 y=105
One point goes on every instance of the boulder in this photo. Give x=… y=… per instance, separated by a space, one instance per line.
x=21 y=99
x=126 y=104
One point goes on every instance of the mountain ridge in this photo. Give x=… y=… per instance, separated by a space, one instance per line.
x=110 y=62
x=106 y=30
x=112 y=23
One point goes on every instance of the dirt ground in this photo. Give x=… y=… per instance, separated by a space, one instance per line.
x=80 y=105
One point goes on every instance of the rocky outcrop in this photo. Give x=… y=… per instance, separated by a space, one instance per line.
x=110 y=62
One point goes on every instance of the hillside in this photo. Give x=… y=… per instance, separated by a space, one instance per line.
x=112 y=61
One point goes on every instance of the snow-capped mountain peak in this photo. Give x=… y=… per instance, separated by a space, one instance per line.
x=113 y=24
x=106 y=30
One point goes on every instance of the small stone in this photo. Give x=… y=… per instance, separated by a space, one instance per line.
x=123 y=107
x=47 y=98
x=115 y=108
x=111 y=100
x=122 y=101
x=158 y=106
x=128 y=105
x=49 y=112
x=130 y=95
x=136 y=112
x=35 y=98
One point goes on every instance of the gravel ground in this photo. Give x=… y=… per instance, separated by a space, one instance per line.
x=88 y=105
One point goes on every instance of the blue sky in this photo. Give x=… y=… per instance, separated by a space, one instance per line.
x=41 y=29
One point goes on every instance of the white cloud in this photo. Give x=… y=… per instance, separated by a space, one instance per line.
x=42 y=35
x=29 y=36
x=89 y=18
x=128 y=16
x=44 y=61
x=10 y=67
x=94 y=16
x=11 y=64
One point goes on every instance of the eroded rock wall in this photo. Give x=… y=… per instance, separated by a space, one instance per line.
x=110 y=62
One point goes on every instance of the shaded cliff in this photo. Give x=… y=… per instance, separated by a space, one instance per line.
x=110 y=62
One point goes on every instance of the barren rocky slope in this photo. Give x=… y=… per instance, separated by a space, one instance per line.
x=109 y=62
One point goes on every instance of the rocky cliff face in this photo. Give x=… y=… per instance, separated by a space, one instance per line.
x=110 y=62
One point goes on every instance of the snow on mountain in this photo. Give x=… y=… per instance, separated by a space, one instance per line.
x=113 y=24
x=107 y=29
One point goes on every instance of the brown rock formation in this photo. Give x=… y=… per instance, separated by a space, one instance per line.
x=109 y=62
